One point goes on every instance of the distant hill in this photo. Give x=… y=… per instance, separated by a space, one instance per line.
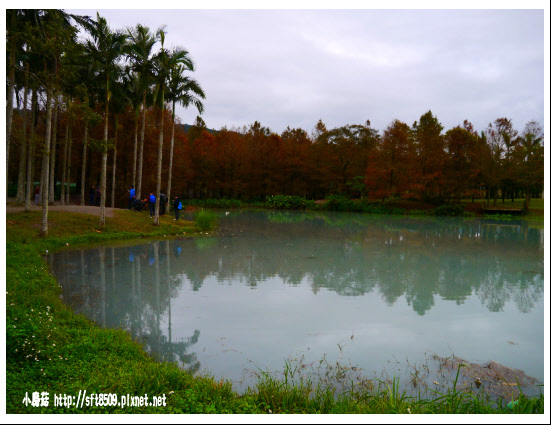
x=186 y=128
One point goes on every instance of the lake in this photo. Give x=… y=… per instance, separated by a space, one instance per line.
x=376 y=294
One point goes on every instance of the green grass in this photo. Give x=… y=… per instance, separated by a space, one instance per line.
x=205 y=220
x=51 y=349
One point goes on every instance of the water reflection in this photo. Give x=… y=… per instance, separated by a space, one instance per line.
x=420 y=261
x=129 y=289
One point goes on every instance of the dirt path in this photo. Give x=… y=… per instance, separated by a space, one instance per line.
x=109 y=212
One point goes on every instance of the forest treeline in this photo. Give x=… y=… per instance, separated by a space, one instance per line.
x=95 y=110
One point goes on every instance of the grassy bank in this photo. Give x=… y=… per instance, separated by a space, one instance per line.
x=51 y=349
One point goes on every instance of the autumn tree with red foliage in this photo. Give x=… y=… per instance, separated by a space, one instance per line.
x=390 y=172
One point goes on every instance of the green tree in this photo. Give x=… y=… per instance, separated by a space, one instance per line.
x=502 y=138
x=188 y=92
x=350 y=146
x=133 y=92
x=529 y=153
x=164 y=62
x=105 y=48
x=430 y=155
x=140 y=54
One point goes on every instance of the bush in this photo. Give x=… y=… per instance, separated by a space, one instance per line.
x=286 y=202
x=205 y=220
x=339 y=203
x=450 y=210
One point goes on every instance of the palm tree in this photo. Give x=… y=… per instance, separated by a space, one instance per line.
x=133 y=92
x=120 y=101
x=186 y=91
x=18 y=22
x=30 y=154
x=52 y=37
x=23 y=147
x=86 y=92
x=164 y=62
x=140 y=52
x=14 y=20
x=105 y=48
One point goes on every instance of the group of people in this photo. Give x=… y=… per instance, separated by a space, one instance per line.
x=138 y=204
x=133 y=202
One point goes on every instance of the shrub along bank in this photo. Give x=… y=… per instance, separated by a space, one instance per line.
x=395 y=206
x=53 y=353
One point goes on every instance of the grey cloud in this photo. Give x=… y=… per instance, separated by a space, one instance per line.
x=293 y=67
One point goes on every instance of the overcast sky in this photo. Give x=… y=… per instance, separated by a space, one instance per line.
x=294 y=67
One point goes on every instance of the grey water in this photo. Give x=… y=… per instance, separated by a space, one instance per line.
x=368 y=291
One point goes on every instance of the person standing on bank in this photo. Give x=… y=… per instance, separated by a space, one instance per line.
x=98 y=196
x=132 y=197
x=91 y=193
x=151 y=205
x=176 y=208
x=36 y=194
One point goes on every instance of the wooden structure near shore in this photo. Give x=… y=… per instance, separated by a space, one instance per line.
x=494 y=209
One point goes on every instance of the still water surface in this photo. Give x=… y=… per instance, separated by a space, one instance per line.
x=367 y=291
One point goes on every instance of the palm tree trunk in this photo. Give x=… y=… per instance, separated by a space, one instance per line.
x=64 y=165
x=140 y=164
x=69 y=166
x=23 y=148
x=159 y=162
x=169 y=186
x=114 y=163
x=136 y=121
x=53 y=149
x=46 y=165
x=104 y=161
x=9 y=110
x=84 y=151
x=30 y=157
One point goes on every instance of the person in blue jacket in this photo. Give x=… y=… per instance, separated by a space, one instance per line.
x=151 y=204
x=176 y=209
x=132 y=197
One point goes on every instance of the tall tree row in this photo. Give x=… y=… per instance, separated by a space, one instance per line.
x=103 y=103
x=76 y=87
